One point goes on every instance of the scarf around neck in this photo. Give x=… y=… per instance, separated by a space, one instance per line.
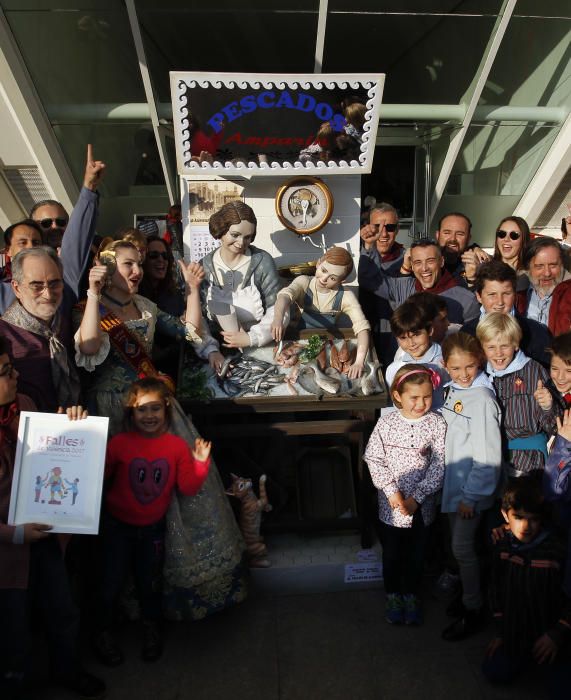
x=445 y=282
x=393 y=254
x=482 y=379
x=64 y=375
x=519 y=361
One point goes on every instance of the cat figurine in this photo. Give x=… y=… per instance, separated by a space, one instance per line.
x=251 y=517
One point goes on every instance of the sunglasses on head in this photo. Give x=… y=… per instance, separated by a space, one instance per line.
x=390 y=228
x=156 y=254
x=47 y=223
x=514 y=235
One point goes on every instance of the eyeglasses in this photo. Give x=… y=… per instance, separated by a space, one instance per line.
x=514 y=235
x=7 y=370
x=47 y=223
x=390 y=228
x=156 y=254
x=38 y=287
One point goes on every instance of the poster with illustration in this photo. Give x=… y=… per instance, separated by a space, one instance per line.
x=58 y=473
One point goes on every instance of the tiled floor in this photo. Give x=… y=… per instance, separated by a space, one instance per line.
x=331 y=644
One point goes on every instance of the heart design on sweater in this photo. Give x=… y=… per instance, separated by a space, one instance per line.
x=148 y=479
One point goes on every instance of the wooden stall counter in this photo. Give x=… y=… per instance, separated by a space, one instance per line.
x=327 y=419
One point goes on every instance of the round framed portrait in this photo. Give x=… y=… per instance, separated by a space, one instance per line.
x=304 y=205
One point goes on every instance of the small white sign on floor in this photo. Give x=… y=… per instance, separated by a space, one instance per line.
x=359 y=573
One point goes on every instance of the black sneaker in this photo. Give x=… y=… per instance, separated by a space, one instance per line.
x=470 y=623
x=152 y=648
x=107 y=650
x=84 y=685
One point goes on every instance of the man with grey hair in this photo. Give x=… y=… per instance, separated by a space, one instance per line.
x=38 y=326
x=548 y=298
x=382 y=252
x=379 y=238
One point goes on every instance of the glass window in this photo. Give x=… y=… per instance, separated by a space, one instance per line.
x=532 y=67
x=499 y=159
x=427 y=58
x=259 y=37
x=129 y=150
x=80 y=57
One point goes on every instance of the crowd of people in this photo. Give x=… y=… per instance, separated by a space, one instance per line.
x=477 y=357
x=480 y=383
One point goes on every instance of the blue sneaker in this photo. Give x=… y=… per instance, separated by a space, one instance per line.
x=412 y=610
x=394 y=610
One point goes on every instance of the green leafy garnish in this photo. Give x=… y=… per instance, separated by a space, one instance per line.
x=312 y=350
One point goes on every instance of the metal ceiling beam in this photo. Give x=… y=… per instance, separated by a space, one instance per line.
x=139 y=111
x=31 y=120
x=477 y=87
x=548 y=176
x=320 y=38
x=150 y=95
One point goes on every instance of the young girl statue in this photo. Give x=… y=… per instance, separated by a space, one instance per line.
x=405 y=455
x=324 y=303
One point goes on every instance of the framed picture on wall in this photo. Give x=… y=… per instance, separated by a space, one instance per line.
x=58 y=472
x=204 y=198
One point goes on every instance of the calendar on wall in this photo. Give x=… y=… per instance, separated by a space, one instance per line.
x=203 y=198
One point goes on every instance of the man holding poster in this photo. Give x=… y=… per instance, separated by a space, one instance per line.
x=32 y=571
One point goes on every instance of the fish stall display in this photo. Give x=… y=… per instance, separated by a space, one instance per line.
x=317 y=367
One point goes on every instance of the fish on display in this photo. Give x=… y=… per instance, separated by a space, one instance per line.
x=247 y=375
x=328 y=384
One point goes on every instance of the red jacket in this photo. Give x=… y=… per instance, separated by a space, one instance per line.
x=560 y=309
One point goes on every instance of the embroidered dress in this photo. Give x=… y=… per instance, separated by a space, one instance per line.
x=407 y=456
x=203 y=546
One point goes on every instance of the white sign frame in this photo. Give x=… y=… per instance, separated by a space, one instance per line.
x=48 y=442
x=180 y=81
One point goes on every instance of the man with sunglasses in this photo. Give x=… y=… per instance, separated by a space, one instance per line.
x=548 y=298
x=52 y=220
x=379 y=245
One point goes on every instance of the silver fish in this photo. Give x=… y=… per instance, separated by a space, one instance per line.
x=328 y=384
x=230 y=388
x=306 y=382
x=348 y=387
x=226 y=365
x=370 y=382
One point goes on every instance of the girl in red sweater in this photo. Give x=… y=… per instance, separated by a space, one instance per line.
x=144 y=464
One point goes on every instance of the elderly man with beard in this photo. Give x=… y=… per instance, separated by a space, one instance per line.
x=38 y=326
x=548 y=299
x=427 y=264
